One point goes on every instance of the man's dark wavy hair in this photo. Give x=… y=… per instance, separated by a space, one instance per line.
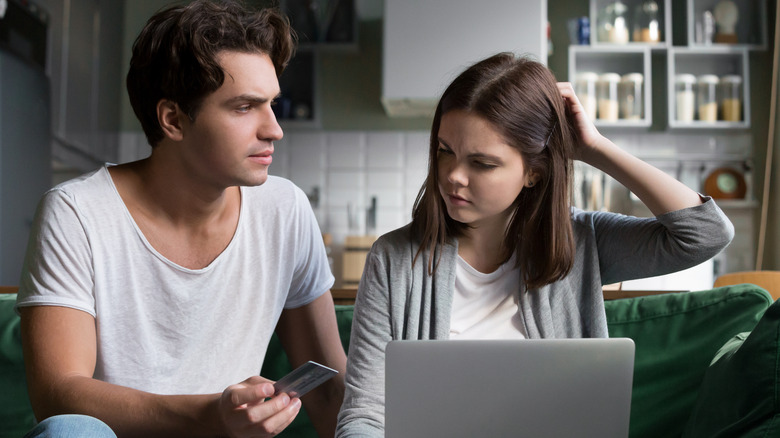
x=175 y=55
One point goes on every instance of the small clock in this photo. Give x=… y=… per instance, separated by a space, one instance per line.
x=725 y=183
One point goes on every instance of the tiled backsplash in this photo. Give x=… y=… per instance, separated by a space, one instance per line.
x=342 y=171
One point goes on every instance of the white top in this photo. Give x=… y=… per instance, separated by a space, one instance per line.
x=485 y=306
x=163 y=328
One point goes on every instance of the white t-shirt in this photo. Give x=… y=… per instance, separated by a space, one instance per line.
x=485 y=306
x=163 y=328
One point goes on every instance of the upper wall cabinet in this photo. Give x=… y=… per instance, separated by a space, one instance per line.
x=613 y=84
x=727 y=23
x=708 y=88
x=707 y=74
x=323 y=23
x=424 y=49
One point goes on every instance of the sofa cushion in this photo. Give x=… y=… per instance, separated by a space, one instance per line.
x=676 y=337
x=16 y=416
x=276 y=365
x=739 y=395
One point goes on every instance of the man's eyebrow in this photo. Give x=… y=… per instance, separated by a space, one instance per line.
x=251 y=98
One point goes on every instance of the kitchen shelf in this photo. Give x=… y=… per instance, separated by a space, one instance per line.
x=597 y=19
x=617 y=59
x=718 y=61
x=324 y=24
x=750 y=30
x=297 y=105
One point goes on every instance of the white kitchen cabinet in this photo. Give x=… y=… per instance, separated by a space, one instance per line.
x=749 y=30
x=429 y=42
x=696 y=59
x=717 y=61
x=622 y=60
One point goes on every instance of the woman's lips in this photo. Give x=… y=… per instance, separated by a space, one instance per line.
x=457 y=200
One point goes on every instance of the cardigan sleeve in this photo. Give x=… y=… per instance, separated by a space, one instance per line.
x=630 y=247
x=362 y=413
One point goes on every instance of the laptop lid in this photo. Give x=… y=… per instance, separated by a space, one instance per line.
x=496 y=388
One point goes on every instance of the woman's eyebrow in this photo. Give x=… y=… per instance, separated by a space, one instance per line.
x=474 y=154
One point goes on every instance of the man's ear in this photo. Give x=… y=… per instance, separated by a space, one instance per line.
x=170 y=118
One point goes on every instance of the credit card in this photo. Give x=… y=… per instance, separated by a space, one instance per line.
x=303 y=379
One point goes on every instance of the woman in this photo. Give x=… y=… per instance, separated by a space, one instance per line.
x=494 y=249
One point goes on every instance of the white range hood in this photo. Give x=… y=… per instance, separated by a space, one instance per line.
x=429 y=42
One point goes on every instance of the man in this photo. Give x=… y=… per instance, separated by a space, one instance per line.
x=151 y=288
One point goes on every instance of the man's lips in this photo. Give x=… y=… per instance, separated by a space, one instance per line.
x=263 y=157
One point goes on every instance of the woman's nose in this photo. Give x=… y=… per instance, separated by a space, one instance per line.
x=456 y=175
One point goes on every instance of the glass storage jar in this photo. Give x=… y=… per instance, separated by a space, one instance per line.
x=613 y=23
x=685 y=97
x=585 y=88
x=731 y=98
x=706 y=97
x=646 y=25
x=606 y=88
x=630 y=96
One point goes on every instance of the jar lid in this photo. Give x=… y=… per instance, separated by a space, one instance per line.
x=633 y=77
x=708 y=79
x=685 y=78
x=731 y=79
x=587 y=76
x=609 y=77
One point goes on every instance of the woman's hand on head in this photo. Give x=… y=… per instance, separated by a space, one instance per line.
x=587 y=136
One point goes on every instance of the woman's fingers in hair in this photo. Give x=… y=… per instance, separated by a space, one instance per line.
x=586 y=132
x=570 y=98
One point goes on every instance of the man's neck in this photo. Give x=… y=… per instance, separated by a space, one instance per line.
x=187 y=222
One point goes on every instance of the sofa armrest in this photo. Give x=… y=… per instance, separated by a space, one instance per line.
x=16 y=415
x=676 y=336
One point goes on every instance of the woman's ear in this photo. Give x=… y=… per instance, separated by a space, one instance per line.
x=531 y=179
x=169 y=116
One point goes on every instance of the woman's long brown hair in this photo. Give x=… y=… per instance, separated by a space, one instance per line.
x=520 y=99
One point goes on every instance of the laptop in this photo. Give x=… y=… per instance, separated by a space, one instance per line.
x=509 y=388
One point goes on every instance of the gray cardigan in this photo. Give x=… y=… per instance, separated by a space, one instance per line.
x=398 y=300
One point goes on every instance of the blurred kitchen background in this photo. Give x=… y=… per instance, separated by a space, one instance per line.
x=357 y=104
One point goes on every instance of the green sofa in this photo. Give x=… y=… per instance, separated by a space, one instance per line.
x=707 y=364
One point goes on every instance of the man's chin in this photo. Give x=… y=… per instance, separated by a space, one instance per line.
x=256 y=179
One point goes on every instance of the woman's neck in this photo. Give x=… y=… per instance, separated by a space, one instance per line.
x=482 y=248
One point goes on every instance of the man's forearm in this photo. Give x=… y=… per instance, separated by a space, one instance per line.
x=131 y=412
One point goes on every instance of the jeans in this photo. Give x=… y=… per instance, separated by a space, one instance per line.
x=71 y=426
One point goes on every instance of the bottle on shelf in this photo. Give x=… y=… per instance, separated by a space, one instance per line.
x=706 y=97
x=631 y=102
x=613 y=24
x=685 y=97
x=646 y=25
x=731 y=98
x=606 y=89
x=585 y=88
